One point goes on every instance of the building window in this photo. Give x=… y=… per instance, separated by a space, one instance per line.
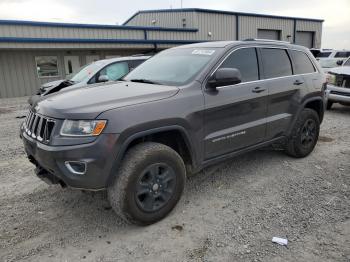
x=46 y=66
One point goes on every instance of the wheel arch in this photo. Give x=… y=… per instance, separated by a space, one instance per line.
x=157 y=134
x=314 y=103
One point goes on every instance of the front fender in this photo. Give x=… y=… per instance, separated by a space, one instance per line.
x=128 y=136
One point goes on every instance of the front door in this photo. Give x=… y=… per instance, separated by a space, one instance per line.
x=71 y=64
x=235 y=116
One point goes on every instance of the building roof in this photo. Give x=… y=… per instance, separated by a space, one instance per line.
x=97 y=26
x=201 y=10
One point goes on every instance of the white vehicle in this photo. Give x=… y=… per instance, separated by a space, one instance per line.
x=329 y=58
x=338 y=85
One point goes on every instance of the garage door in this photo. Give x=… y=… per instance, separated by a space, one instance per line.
x=304 y=38
x=269 y=34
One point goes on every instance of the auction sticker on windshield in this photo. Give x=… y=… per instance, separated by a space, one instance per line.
x=203 y=52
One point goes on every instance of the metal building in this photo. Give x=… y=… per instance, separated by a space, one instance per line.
x=25 y=45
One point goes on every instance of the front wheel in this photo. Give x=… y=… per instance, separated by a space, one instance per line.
x=149 y=183
x=304 y=134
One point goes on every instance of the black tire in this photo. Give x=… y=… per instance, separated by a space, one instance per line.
x=304 y=135
x=135 y=196
x=329 y=105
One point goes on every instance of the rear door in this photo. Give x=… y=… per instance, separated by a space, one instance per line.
x=284 y=90
x=235 y=114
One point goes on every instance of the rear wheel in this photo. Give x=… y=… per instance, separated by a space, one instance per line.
x=149 y=183
x=304 y=134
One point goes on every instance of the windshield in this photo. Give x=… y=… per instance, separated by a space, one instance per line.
x=86 y=72
x=323 y=54
x=173 y=66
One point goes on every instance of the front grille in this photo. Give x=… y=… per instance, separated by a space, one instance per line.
x=342 y=81
x=39 y=127
x=340 y=93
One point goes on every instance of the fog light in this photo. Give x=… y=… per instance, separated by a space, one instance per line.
x=76 y=167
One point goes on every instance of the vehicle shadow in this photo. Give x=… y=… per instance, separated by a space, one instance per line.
x=92 y=211
x=64 y=217
x=337 y=108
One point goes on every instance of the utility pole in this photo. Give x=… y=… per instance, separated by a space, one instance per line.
x=181 y=4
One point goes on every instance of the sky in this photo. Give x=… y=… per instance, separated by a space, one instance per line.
x=336 y=13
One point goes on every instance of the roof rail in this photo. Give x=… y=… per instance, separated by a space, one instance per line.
x=266 y=40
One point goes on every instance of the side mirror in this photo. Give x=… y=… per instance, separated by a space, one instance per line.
x=339 y=62
x=225 y=77
x=103 y=78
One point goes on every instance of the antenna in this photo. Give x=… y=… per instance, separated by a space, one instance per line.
x=181 y=4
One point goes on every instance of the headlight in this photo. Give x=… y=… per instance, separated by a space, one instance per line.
x=82 y=127
x=330 y=79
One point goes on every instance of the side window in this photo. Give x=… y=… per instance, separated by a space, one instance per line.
x=302 y=63
x=46 y=66
x=115 y=71
x=347 y=62
x=276 y=62
x=245 y=60
x=135 y=63
x=323 y=54
x=343 y=54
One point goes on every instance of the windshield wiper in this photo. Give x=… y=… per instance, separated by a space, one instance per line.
x=146 y=81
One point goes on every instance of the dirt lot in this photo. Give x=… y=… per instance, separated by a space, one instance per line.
x=229 y=212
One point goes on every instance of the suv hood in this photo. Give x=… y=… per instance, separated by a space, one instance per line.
x=55 y=86
x=343 y=70
x=52 y=83
x=88 y=103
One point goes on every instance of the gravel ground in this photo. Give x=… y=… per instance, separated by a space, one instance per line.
x=229 y=212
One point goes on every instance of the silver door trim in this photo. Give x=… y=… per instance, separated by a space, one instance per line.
x=256 y=81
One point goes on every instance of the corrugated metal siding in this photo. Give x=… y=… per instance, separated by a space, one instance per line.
x=166 y=19
x=309 y=26
x=222 y=27
x=249 y=25
x=72 y=46
x=162 y=35
x=18 y=73
x=18 y=76
x=64 y=32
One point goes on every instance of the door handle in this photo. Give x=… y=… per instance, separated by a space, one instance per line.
x=298 y=82
x=258 y=89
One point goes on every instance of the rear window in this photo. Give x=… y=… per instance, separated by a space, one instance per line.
x=276 y=62
x=302 y=63
x=342 y=54
x=324 y=54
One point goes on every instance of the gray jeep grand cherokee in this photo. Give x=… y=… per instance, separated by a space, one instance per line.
x=178 y=112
